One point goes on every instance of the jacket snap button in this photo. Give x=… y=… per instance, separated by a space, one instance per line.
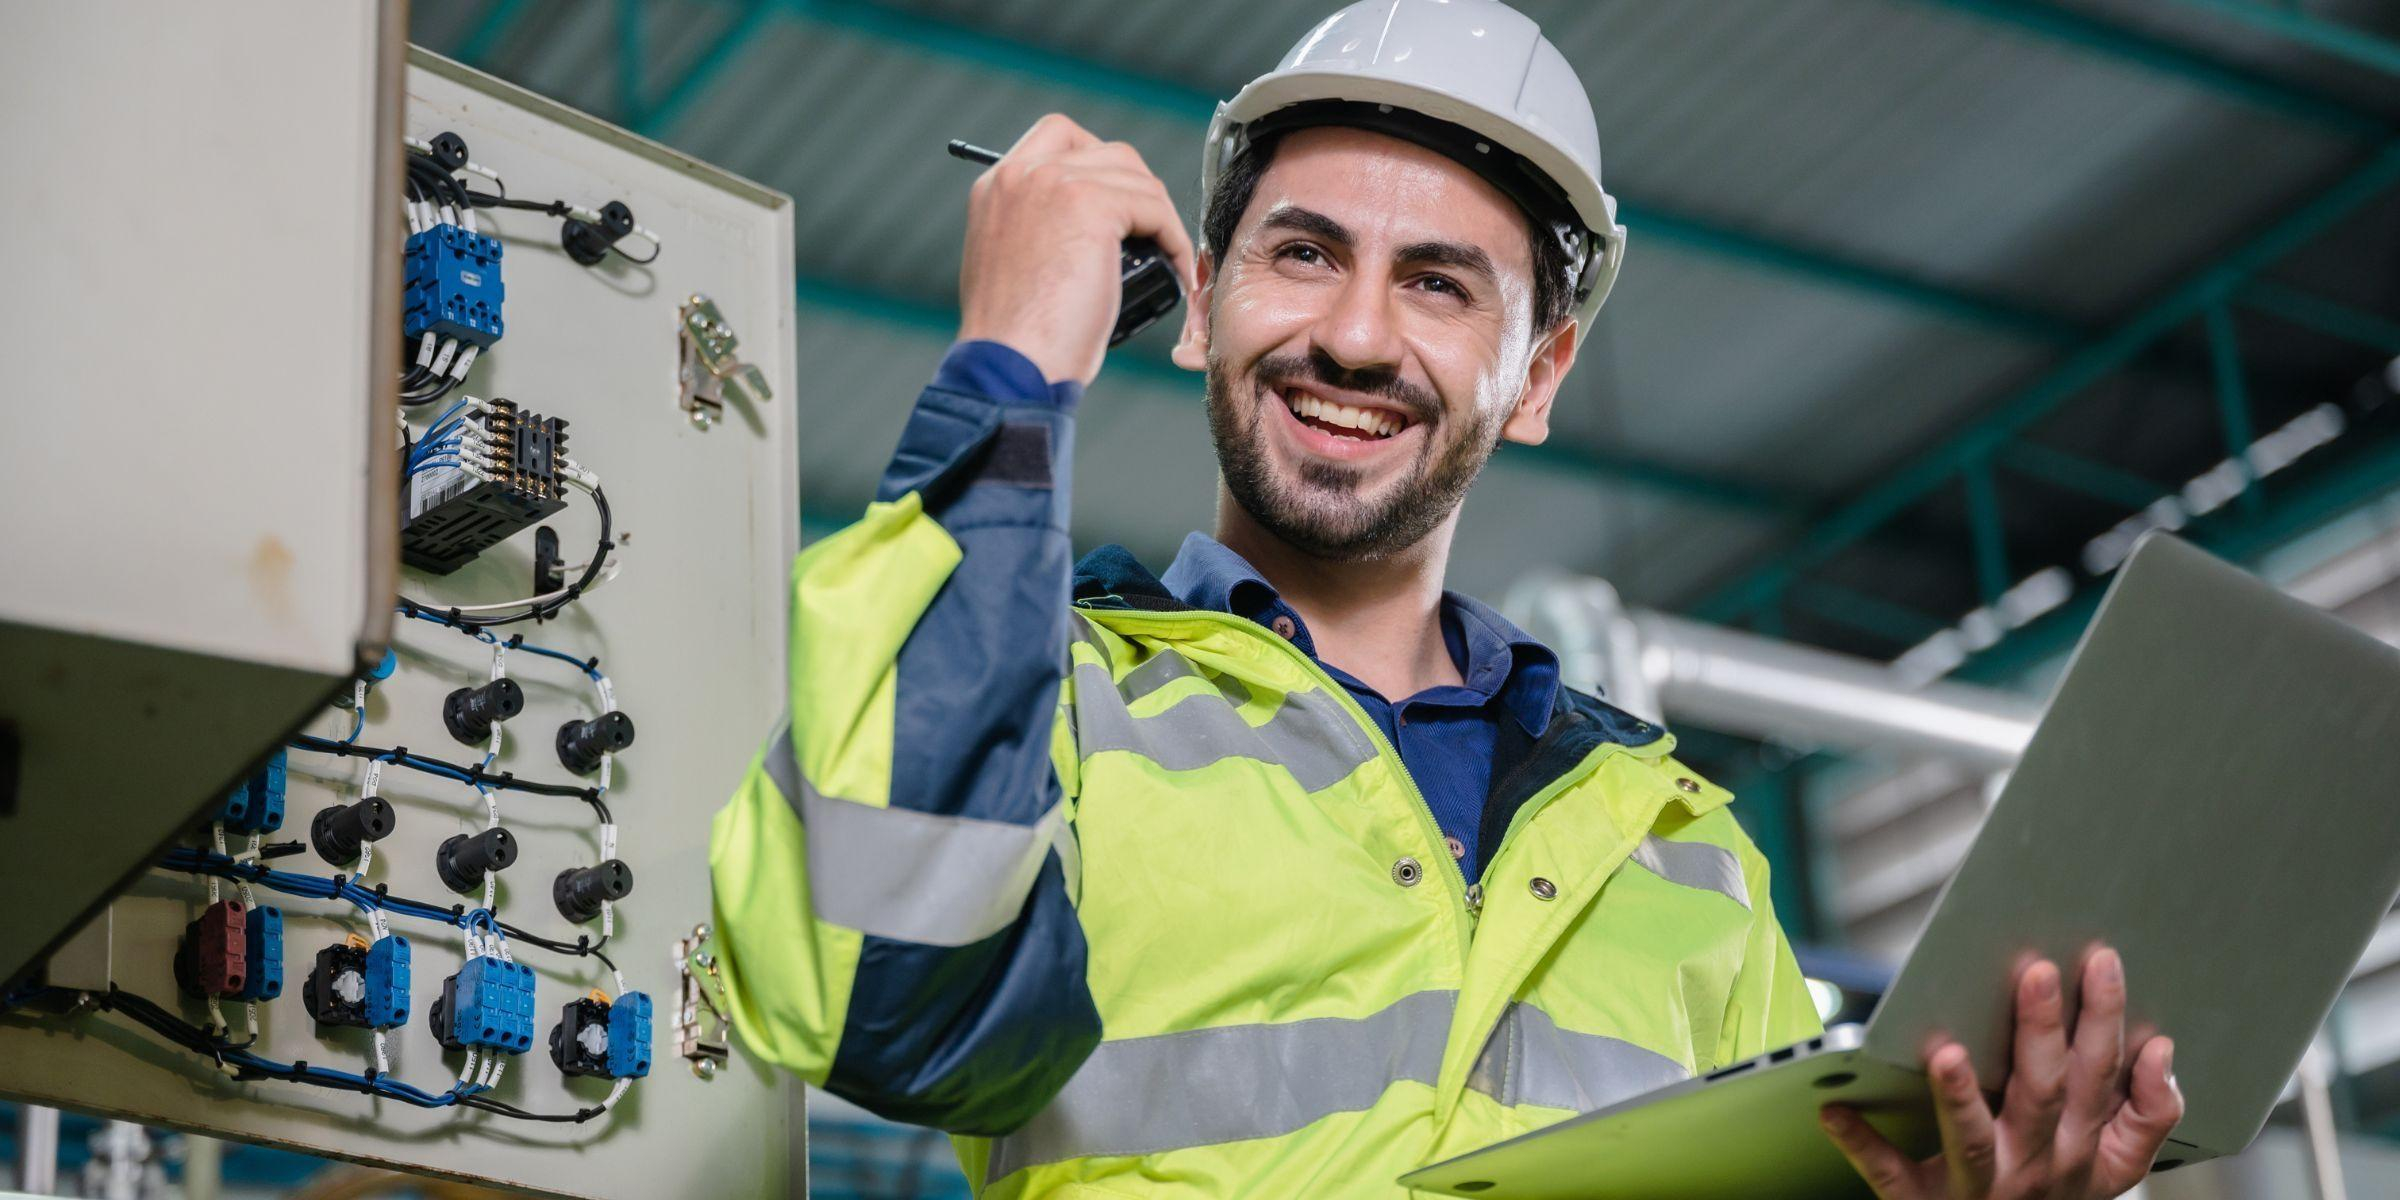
x=1284 y=628
x=1406 y=872
x=1457 y=848
x=1543 y=889
x=1689 y=785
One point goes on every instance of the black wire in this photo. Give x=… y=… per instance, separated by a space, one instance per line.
x=505 y=780
x=149 y=1015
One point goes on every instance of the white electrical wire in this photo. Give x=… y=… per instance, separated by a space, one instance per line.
x=616 y=1093
x=216 y=837
x=383 y=1053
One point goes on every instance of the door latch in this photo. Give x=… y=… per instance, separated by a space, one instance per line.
x=699 y=988
x=708 y=372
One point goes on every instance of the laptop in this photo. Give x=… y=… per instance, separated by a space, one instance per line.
x=2211 y=792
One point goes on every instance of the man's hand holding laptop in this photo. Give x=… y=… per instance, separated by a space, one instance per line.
x=2073 y=1124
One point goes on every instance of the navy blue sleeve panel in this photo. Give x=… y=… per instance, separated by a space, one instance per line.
x=977 y=1038
x=972 y=1040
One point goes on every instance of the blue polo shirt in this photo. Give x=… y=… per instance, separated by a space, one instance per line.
x=1454 y=740
x=1451 y=737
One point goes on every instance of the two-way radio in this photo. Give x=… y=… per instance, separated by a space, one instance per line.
x=1150 y=291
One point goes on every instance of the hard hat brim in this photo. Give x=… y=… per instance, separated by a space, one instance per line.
x=1592 y=204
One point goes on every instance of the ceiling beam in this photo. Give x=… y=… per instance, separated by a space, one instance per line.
x=2293 y=25
x=2068 y=27
x=985 y=50
x=1980 y=441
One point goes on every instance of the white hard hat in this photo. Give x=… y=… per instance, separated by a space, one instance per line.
x=1475 y=64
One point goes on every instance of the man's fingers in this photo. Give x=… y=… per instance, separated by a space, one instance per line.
x=2096 y=1062
x=1053 y=134
x=1891 y=1174
x=1970 y=1140
x=2037 y=1083
x=2132 y=1138
x=1120 y=163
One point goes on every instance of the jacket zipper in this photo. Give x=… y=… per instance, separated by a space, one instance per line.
x=1471 y=894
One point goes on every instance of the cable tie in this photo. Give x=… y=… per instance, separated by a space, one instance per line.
x=515 y=640
x=383 y=893
x=591 y=664
x=457 y=912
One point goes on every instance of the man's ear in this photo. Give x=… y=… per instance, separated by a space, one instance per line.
x=1530 y=423
x=1191 y=350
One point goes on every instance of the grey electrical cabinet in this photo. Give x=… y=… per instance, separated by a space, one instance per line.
x=201 y=498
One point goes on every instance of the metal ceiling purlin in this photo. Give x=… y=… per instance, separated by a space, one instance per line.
x=2294 y=25
x=2233 y=399
x=1154 y=369
x=2091 y=33
x=1978 y=442
x=2075 y=473
x=2334 y=320
x=1051 y=68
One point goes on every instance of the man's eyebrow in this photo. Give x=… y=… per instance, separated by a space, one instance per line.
x=1308 y=221
x=1456 y=255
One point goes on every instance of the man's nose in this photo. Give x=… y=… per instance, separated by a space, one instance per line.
x=1361 y=331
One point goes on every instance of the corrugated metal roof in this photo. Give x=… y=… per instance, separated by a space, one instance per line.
x=1915 y=137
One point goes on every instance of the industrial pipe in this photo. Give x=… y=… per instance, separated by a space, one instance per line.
x=1663 y=667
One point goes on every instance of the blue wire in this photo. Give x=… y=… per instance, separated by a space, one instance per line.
x=577 y=663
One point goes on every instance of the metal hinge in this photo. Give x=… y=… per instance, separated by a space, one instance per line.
x=699 y=988
x=706 y=369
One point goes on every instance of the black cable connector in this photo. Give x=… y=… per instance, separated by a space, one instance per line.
x=581 y=743
x=470 y=713
x=464 y=860
x=579 y=891
x=340 y=831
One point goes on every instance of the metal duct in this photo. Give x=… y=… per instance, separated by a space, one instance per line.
x=1666 y=667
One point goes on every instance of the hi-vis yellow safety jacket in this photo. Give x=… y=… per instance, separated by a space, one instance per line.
x=1139 y=902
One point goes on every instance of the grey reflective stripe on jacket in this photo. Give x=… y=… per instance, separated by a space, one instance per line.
x=1694 y=865
x=1232 y=1083
x=1530 y=1060
x=913 y=876
x=1311 y=734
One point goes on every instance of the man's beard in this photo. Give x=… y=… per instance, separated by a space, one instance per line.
x=1322 y=514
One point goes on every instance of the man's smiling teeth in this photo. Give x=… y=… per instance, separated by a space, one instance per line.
x=1372 y=422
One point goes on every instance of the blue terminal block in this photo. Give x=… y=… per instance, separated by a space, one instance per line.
x=255 y=805
x=489 y=1003
x=453 y=286
x=387 y=982
x=262 y=935
x=629 y=1036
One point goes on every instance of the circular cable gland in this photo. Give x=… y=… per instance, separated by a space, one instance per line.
x=465 y=859
x=579 y=891
x=581 y=743
x=587 y=242
x=470 y=713
x=449 y=151
x=339 y=832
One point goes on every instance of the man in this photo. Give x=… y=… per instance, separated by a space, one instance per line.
x=1285 y=871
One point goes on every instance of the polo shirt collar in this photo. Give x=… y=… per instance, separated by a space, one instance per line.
x=1493 y=656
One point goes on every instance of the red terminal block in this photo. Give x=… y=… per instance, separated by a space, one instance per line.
x=214 y=958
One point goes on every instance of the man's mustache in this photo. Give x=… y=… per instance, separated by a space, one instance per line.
x=1383 y=383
